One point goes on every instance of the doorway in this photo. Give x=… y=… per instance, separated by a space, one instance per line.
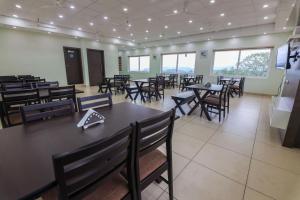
x=73 y=65
x=96 y=66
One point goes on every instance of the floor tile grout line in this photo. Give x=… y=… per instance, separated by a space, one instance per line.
x=241 y=154
x=251 y=157
x=262 y=193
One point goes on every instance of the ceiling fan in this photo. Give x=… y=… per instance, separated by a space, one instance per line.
x=184 y=10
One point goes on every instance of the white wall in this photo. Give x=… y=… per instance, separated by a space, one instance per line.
x=41 y=54
x=267 y=85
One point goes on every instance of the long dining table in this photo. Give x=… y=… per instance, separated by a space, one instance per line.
x=26 y=150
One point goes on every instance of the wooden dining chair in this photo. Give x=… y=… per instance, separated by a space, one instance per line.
x=150 y=163
x=49 y=84
x=92 y=172
x=46 y=111
x=96 y=101
x=149 y=90
x=61 y=93
x=13 y=86
x=12 y=101
x=199 y=79
x=239 y=88
x=181 y=80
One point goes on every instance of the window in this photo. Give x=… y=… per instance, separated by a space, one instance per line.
x=139 y=63
x=178 y=63
x=242 y=62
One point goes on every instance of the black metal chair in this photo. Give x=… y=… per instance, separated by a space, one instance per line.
x=199 y=79
x=49 y=84
x=172 y=80
x=149 y=90
x=150 y=163
x=131 y=90
x=160 y=87
x=219 y=80
x=92 y=172
x=181 y=80
x=46 y=111
x=96 y=101
x=13 y=86
x=12 y=101
x=239 y=89
x=61 y=93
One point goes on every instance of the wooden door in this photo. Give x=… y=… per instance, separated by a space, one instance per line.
x=96 y=66
x=73 y=65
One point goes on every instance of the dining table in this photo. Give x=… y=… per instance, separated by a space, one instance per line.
x=208 y=89
x=26 y=169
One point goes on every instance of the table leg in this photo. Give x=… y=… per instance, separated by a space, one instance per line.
x=198 y=103
x=178 y=105
x=139 y=86
x=204 y=108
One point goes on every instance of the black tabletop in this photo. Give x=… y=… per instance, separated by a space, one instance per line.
x=26 y=150
x=212 y=87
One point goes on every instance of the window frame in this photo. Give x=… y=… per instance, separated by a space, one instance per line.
x=139 y=65
x=240 y=50
x=177 y=54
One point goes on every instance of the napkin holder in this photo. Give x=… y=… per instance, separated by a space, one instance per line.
x=90 y=118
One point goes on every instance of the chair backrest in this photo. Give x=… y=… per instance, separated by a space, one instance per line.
x=153 y=132
x=96 y=101
x=17 y=97
x=53 y=84
x=219 y=79
x=46 y=111
x=4 y=79
x=59 y=93
x=12 y=86
x=78 y=172
x=199 y=79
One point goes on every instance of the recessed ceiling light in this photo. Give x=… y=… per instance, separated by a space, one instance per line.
x=284 y=28
x=61 y=16
x=14 y=27
x=79 y=28
x=266 y=6
x=51 y=22
x=266 y=17
x=222 y=14
x=119 y=37
x=293 y=5
x=208 y=39
x=190 y=21
x=201 y=28
x=229 y=23
x=105 y=17
x=18 y=6
x=131 y=34
x=146 y=38
x=212 y=1
x=287 y=19
x=175 y=11
x=147 y=31
x=160 y=35
x=178 y=32
x=166 y=27
x=49 y=32
x=91 y=23
x=125 y=9
x=16 y=16
x=129 y=25
x=72 y=6
x=114 y=30
x=265 y=33
x=149 y=19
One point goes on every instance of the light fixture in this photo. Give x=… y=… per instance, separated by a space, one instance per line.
x=147 y=31
x=61 y=16
x=266 y=17
x=119 y=37
x=201 y=28
x=265 y=33
x=284 y=28
x=146 y=38
x=125 y=9
x=178 y=32
x=14 y=27
x=14 y=15
x=208 y=39
x=229 y=23
x=212 y=1
x=175 y=11
x=266 y=6
x=49 y=32
x=160 y=35
x=222 y=14
x=166 y=27
x=18 y=6
x=149 y=19
x=72 y=7
x=105 y=17
x=51 y=22
x=131 y=34
x=287 y=19
x=190 y=21
x=129 y=25
x=114 y=30
x=91 y=23
x=79 y=28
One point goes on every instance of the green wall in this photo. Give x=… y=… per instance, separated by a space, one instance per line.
x=267 y=85
x=41 y=54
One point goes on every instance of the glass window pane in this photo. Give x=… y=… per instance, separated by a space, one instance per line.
x=225 y=62
x=133 y=63
x=169 y=63
x=186 y=62
x=145 y=63
x=254 y=62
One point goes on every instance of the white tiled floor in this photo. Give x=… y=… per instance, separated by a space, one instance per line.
x=240 y=158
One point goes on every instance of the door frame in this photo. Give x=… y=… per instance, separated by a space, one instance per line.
x=81 y=64
x=103 y=60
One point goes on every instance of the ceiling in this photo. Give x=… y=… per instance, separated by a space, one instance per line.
x=202 y=13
